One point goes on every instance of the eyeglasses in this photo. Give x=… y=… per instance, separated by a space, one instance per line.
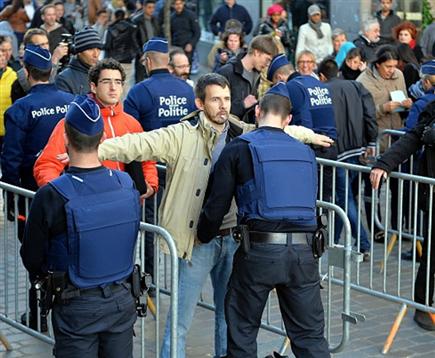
x=305 y=62
x=181 y=66
x=108 y=81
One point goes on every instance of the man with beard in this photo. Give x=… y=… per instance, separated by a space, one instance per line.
x=190 y=150
x=179 y=65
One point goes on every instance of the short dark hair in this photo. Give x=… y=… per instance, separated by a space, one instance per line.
x=119 y=14
x=176 y=51
x=275 y=104
x=146 y=2
x=209 y=79
x=263 y=43
x=355 y=52
x=384 y=54
x=328 y=68
x=4 y=38
x=106 y=64
x=32 y=32
x=226 y=35
x=38 y=74
x=58 y=2
x=81 y=142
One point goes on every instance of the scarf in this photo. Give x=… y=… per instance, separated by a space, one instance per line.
x=316 y=27
x=412 y=44
x=349 y=74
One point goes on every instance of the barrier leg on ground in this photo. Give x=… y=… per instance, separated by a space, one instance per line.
x=285 y=346
x=394 y=329
x=151 y=306
x=5 y=342
x=390 y=248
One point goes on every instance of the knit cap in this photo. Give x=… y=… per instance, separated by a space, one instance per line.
x=86 y=39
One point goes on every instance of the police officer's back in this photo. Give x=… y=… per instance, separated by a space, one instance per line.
x=273 y=178
x=83 y=227
x=162 y=99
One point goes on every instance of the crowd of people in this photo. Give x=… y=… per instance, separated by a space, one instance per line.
x=84 y=82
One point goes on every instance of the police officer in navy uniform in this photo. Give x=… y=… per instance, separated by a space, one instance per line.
x=83 y=227
x=30 y=120
x=162 y=99
x=28 y=125
x=274 y=180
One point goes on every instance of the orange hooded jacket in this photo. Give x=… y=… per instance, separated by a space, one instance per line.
x=116 y=124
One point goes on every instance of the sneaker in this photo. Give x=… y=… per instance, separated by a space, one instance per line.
x=379 y=237
x=33 y=324
x=424 y=320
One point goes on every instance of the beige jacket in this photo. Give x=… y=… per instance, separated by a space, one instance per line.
x=380 y=89
x=186 y=148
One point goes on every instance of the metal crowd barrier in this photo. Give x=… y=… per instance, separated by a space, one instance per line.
x=393 y=279
x=15 y=281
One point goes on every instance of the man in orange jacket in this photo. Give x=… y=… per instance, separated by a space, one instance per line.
x=106 y=79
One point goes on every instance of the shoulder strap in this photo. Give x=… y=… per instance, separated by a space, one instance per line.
x=124 y=179
x=64 y=186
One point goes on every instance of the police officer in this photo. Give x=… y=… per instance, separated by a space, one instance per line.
x=307 y=92
x=28 y=125
x=275 y=215
x=83 y=227
x=30 y=120
x=162 y=99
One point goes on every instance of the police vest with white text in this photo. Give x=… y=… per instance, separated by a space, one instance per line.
x=103 y=215
x=160 y=100
x=284 y=186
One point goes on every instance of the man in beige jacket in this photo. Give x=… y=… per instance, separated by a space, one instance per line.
x=190 y=150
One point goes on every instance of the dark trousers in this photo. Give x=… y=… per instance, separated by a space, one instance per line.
x=293 y=271
x=331 y=154
x=96 y=325
x=420 y=281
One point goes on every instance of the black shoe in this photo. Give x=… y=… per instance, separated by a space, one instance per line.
x=33 y=324
x=424 y=320
x=379 y=237
x=152 y=292
x=407 y=256
x=366 y=256
x=276 y=355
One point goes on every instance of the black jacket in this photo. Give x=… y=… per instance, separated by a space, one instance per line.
x=355 y=117
x=121 y=42
x=409 y=144
x=74 y=79
x=368 y=49
x=142 y=35
x=387 y=25
x=184 y=29
x=240 y=87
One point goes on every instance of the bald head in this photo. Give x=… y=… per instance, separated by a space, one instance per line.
x=156 y=60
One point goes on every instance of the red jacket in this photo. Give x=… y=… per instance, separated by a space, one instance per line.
x=116 y=124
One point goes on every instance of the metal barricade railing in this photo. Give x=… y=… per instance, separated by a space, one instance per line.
x=337 y=256
x=394 y=281
x=15 y=281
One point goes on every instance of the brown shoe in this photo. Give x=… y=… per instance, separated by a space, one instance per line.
x=424 y=320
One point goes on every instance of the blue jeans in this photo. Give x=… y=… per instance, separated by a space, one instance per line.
x=352 y=211
x=216 y=259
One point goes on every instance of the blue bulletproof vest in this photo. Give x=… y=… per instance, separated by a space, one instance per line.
x=284 y=186
x=103 y=215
